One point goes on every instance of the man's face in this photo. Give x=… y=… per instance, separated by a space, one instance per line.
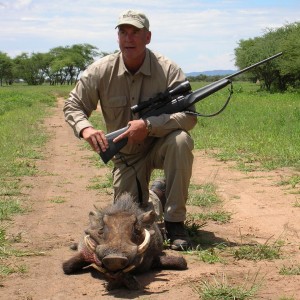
x=133 y=41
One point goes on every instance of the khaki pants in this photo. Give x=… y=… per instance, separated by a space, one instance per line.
x=173 y=154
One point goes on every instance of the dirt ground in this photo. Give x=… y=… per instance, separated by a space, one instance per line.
x=59 y=201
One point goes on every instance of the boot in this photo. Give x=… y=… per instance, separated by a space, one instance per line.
x=159 y=188
x=177 y=235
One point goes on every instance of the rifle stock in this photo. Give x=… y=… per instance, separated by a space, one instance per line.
x=169 y=105
x=114 y=148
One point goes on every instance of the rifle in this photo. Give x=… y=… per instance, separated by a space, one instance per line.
x=171 y=101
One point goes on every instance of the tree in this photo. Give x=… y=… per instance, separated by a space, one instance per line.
x=68 y=62
x=61 y=65
x=278 y=73
x=254 y=50
x=290 y=64
x=30 y=68
x=6 y=71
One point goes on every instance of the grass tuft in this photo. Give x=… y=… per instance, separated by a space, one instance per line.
x=9 y=207
x=259 y=252
x=220 y=289
x=291 y=270
x=203 y=195
x=210 y=255
x=216 y=216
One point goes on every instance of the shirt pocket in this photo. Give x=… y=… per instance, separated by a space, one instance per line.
x=116 y=112
x=115 y=102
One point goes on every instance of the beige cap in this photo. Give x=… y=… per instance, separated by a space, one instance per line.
x=134 y=18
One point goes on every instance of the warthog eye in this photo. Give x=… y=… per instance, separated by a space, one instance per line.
x=137 y=234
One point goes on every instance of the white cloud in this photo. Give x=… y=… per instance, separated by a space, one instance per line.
x=18 y=4
x=21 y=3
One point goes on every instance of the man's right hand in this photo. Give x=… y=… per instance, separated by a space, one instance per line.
x=96 y=138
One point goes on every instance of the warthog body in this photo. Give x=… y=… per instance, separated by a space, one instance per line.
x=122 y=240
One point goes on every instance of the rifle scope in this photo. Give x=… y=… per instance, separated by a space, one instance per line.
x=180 y=89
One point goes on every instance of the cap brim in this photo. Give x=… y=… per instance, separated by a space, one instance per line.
x=135 y=24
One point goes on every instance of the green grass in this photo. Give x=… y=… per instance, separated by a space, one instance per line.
x=10 y=269
x=293 y=181
x=7 y=251
x=58 y=200
x=258 y=252
x=103 y=184
x=218 y=216
x=210 y=255
x=296 y=203
x=291 y=270
x=203 y=195
x=22 y=111
x=9 y=207
x=256 y=128
x=221 y=289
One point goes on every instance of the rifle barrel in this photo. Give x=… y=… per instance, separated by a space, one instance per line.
x=253 y=66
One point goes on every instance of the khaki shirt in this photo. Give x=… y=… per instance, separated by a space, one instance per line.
x=107 y=82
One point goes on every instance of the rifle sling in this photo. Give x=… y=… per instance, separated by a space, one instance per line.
x=140 y=192
x=216 y=113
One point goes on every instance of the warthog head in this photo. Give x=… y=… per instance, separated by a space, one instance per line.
x=122 y=234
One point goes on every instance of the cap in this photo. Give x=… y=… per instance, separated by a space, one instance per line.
x=134 y=18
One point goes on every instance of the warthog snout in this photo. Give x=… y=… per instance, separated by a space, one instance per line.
x=114 y=262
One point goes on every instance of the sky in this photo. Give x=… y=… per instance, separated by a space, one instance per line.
x=199 y=35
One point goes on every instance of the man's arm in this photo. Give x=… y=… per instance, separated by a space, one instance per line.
x=82 y=101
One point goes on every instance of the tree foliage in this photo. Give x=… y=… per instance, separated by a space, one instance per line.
x=61 y=65
x=280 y=73
x=68 y=62
x=5 y=69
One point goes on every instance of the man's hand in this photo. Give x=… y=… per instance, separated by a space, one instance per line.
x=136 y=132
x=96 y=138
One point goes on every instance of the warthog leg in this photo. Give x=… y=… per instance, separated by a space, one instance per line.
x=170 y=262
x=75 y=263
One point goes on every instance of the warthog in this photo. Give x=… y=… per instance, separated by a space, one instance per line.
x=122 y=240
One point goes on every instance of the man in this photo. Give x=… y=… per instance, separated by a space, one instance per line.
x=119 y=81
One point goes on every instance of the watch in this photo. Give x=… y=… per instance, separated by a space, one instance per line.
x=148 y=126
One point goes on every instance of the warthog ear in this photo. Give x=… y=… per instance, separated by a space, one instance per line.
x=147 y=218
x=95 y=220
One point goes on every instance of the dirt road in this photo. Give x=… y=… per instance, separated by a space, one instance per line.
x=59 y=203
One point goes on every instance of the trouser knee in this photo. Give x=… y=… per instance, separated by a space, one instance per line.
x=180 y=147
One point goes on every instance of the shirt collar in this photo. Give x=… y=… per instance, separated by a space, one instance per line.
x=144 y=69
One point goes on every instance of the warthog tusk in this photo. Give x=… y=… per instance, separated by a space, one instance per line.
x=145 y=244
x=89 y=243
x=100 y=269
x=131 y=267
x=141 y=249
